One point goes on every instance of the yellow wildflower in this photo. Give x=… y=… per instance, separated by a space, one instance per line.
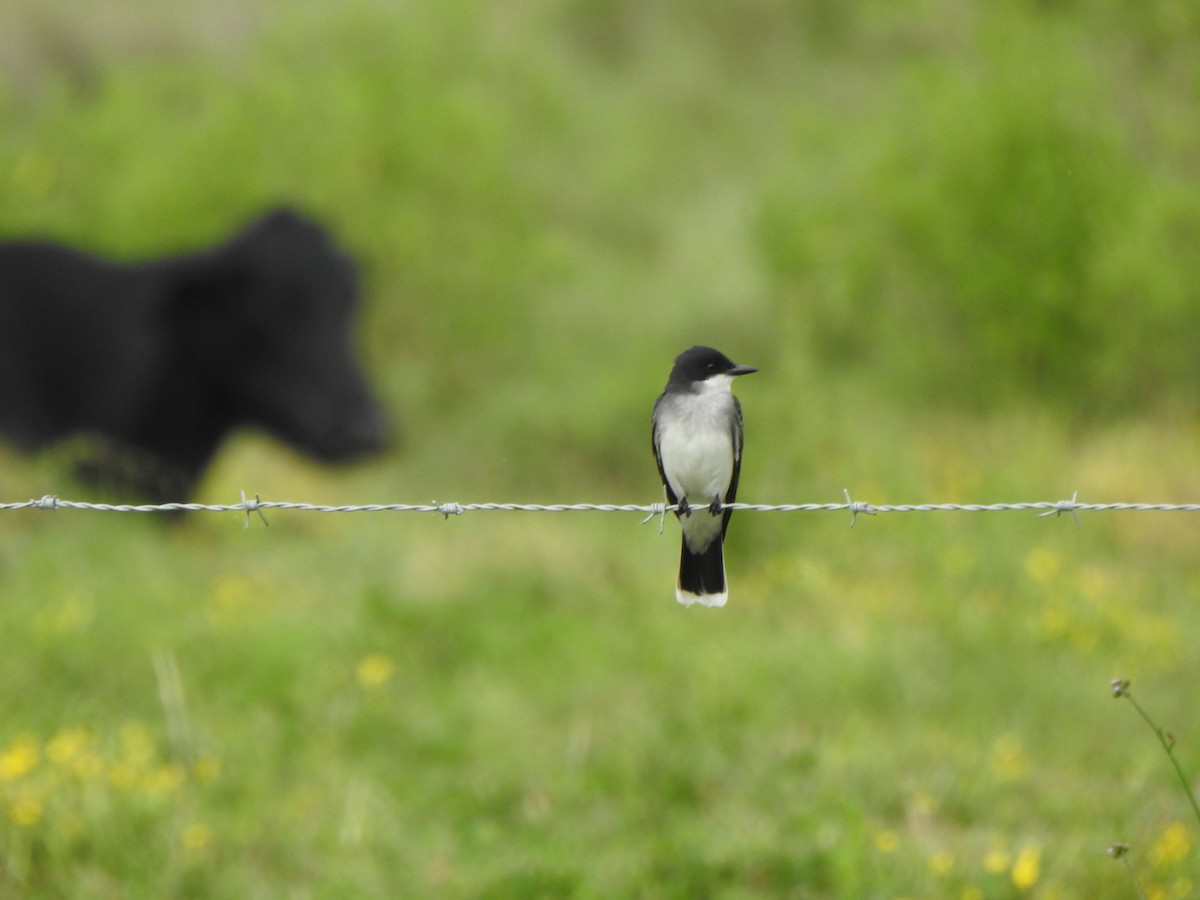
x=66 y=745
x=1172 y=845
x=886 y=841
x=20 y=758
x=941 y=862
x=374 y=670
x=997 y=860
x=164 y=779
x=196 y=837
x=1027 y=868
x=25 y=810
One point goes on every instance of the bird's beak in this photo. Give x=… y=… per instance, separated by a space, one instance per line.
x=741 y=370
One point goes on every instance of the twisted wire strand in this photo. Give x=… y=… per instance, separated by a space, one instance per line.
x=651 y=510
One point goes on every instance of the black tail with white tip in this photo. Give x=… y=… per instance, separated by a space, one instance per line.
x=702 y=576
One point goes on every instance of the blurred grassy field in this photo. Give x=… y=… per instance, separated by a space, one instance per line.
x=960 y=243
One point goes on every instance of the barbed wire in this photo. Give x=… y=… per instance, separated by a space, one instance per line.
x=652 y=510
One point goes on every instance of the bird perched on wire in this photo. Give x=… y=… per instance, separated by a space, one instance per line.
x=697 y=439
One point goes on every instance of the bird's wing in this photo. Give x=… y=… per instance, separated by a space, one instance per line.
x=736 y=436
x=671 y=498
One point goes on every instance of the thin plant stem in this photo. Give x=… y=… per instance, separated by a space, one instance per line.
x=1121 y=852
x=1137 y=882
x=1120 y=688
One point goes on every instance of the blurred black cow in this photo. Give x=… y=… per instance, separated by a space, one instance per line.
x=162 y=359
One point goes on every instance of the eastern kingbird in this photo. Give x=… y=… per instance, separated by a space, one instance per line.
x=697 y=432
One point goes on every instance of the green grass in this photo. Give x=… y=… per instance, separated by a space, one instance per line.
x=548 y=202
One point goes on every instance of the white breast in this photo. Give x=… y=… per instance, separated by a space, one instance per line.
x=695 y=443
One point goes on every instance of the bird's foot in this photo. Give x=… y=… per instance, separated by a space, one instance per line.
x=715 y=506
x=684 y=508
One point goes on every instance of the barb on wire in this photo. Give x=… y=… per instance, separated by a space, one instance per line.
x=246 y=506
x=1065 y=506
x=254 y=505
x=856 y=508
x=660 y=510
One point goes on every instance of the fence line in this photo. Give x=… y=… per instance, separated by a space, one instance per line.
x=652 y=510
